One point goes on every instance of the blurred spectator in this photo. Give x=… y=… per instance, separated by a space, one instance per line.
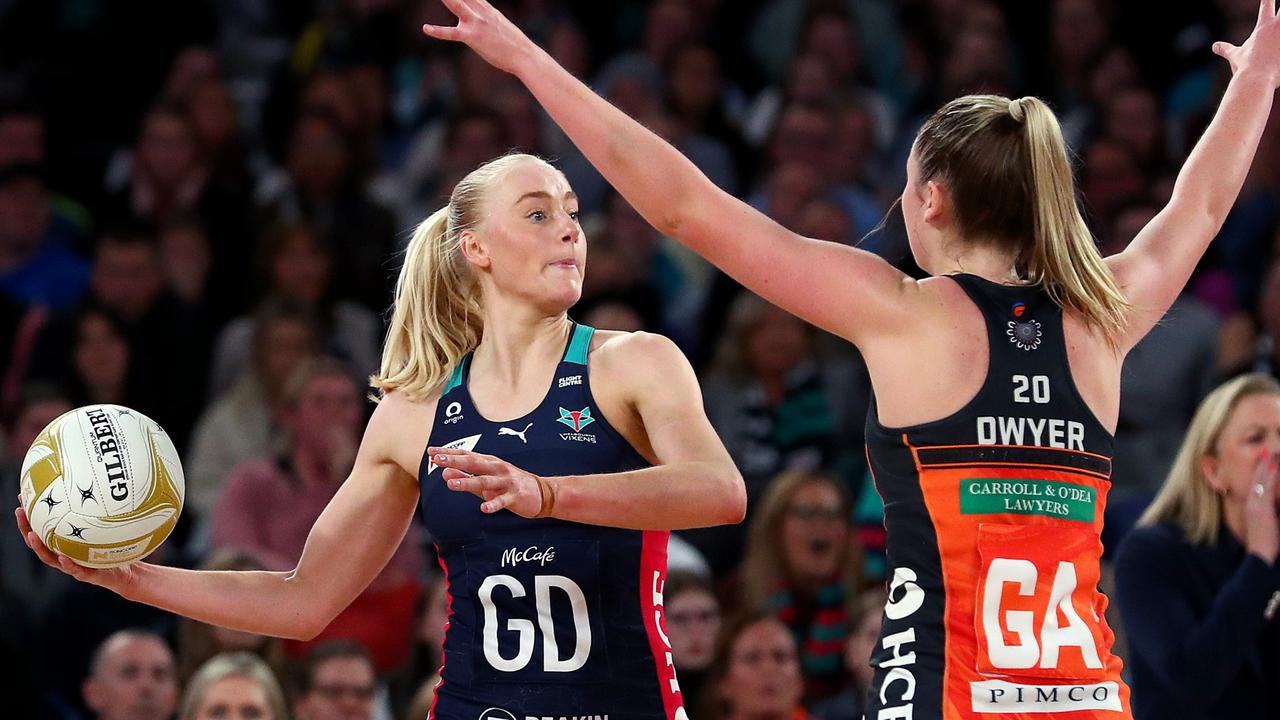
x=419 y=675
x=321 y=186
x=693 y=622
x=865 y=633
x=296 y=267
x=1164 y=378
x=244 y=422
x=131 y=677
x=755 y=673
x=39 y=263
x=81 y=624
x=22 y=136
x=199 y=642
x=269 y=504
x=1197 y=583
x=776 y=405
x=802 y=564
x=234 y=686
x=167 y=174
x=21 y=573
x=336 y=682
x=186 y=262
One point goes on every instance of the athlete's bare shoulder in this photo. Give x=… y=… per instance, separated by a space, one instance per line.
x=615 y=351
x=399 y=430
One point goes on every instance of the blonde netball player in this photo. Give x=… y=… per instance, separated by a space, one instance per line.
x=584 y=448
x=997 y=379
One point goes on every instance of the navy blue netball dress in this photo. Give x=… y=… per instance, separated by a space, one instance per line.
x=547 y=618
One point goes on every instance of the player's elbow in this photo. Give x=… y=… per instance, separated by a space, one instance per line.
x=733 y=506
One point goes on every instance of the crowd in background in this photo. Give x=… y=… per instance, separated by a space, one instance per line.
x=202 y=206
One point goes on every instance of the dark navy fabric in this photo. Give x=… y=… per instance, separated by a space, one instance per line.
x=547 y=617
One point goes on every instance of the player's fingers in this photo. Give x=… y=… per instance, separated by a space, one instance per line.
x=498 y=503
x=24 y=525
x=451 y=33
x=42 y=551
x=481 y=485
x=1266 y=10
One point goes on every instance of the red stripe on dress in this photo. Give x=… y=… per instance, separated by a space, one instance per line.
x=653 y=576
x=435 y=692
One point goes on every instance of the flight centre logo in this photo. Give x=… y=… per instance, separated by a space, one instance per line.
x=1026 y=334
x=576 y=419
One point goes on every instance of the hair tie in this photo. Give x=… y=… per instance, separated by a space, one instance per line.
x=1018 y=110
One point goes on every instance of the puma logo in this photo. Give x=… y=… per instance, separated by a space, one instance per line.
x=517 y=433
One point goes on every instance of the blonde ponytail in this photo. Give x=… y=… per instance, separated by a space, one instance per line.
x=1064 y=260
x=437 y=316
x=1005 y=164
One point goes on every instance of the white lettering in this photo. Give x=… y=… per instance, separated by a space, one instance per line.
x=999 y=696
x=1075 y=633
x=551 y=661
x=515 y=556
x=523 y=628
x=1021 y=573
x=912 y=596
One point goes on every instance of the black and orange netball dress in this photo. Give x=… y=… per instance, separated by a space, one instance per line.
x=993 y=517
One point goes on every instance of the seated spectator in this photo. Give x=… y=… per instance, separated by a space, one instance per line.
x=1197 y=582
x=693 y=621
x=336 y=682
x=298 y=267
x=755 y=673
x=21 y=573
x=269 y=505
x=243 y=422
x=802 y=566
x=199 y=642
x=236 y=685
x=774 y=402
x=131 y=677
x=39 y=264
x=865 y=624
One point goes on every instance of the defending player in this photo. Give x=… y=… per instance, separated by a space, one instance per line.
x=997 y=380
x=555 y=606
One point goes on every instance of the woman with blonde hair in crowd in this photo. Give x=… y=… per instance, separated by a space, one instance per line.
x=233 y=686
x=802 y=565
x=1197 y=581
x=996 y=380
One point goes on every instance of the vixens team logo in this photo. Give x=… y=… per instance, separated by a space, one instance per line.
x=577 y=419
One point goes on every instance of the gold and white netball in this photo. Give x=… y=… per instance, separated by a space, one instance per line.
x=103 y=485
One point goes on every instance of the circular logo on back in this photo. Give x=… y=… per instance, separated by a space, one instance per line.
x=453 y=410
x=497 y=714
x=1025 y=335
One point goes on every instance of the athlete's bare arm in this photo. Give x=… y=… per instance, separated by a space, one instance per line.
x=694 y=482
x=849 y=292
x=1159 y=261
x=349 y=545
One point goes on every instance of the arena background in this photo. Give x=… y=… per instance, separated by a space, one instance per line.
x=196 y=197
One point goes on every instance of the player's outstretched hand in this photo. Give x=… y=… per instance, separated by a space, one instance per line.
x=115 y=579
x=1261 y=49
x=499 y=483
x=485 y=30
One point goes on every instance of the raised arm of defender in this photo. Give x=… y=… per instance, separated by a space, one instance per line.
x=1159 y=261
x=848 y=292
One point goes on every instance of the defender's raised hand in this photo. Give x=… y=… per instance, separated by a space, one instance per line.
x=485 y=30
x=1261 y=49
